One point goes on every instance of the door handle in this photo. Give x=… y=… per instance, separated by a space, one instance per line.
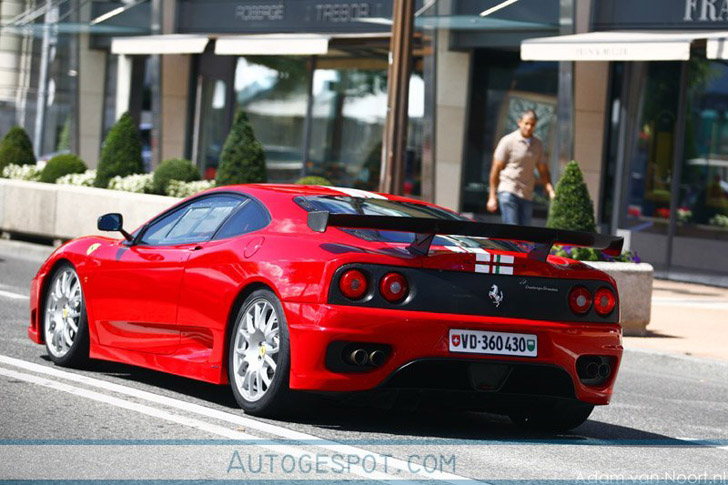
x=196 y=248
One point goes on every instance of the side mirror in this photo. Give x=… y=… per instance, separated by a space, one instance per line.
x=113 y=222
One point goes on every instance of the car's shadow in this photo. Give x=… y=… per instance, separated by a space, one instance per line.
x=427 y=424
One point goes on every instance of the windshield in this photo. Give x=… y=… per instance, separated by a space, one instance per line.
x=336 y=204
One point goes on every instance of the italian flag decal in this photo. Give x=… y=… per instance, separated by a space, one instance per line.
x=486 y=262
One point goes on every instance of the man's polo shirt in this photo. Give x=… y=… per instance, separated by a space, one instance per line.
x=520 y=156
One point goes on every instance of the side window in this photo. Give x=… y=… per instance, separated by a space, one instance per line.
x=250 y=217
x=196 y=222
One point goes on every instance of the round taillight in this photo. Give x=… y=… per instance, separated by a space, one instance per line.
x=604 y=301
x=393 y=287
x=353 y=284
x=580 y=299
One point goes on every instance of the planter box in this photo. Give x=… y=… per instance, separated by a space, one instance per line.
x=68 y=211
x=634 y=283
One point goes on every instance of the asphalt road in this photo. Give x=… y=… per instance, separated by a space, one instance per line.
x=668 y=423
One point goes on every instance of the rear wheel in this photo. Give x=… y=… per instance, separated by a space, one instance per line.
x=560 y=416
x=65 y=321
x=258 y=360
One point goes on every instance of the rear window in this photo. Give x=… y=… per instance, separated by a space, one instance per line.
x=382 y=207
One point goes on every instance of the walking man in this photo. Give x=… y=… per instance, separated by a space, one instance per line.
x=512 y=177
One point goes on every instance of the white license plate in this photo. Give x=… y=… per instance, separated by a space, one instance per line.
x=493 y=343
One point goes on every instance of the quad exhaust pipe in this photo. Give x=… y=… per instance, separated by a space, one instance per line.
x=594 y=370
x=361 y=357
x=377 y=358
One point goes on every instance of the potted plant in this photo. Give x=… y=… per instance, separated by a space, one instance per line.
x=573 y=209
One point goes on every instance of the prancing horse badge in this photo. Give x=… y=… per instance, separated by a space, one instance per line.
x=496 y=295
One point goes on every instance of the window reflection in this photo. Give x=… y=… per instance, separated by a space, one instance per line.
x=272 y=91
x=650 y=156
x=213 y=129
x=703 y=202
x=349 y=112
x=506 y=86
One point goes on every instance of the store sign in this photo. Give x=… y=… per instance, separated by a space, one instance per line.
x=706 y=11
x=256 y=13
x=660 y=14
x=240 y=16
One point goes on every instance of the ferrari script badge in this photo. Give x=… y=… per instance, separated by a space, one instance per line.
x=92 y=248
x=496 y=295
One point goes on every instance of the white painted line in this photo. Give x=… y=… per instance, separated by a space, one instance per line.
x=183 y=420
x=723 y=448
x=667 y=299
x=482 y=268
x=691 y=303
x=13 y=296
x=246 y=422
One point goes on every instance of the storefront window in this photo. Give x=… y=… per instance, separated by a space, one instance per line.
x=703 y=200
x=649 y=180
x=349 y=111
x=214 y=127
x=272 y=91
x=349 y=108
x=503 y=87
x=61 y=95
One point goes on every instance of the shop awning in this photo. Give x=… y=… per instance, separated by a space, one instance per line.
x=272 y=45
x=717 y=48
x=160 y=44
x=623 y=46
x=238 y=45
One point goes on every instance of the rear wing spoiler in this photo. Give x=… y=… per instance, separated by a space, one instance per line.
x=425 y=230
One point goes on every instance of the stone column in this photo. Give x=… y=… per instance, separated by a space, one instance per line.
x=453 y=79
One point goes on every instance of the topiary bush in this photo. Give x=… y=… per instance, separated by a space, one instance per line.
x=173 y=169
x=313 y=180
x=16 y=148
x=121 y=154
x=242 y=160
x=61 y=165
x=572 y=208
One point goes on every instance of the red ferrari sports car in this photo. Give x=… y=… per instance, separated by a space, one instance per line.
x=282 y=288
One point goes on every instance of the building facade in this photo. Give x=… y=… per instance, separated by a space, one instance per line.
x=312 y=77
x=662 y=135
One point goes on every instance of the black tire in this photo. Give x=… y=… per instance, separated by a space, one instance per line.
x=556 y=417
x=57 y=314
x=274 y=398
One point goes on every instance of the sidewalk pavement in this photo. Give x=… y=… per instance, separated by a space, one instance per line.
x=687 y=319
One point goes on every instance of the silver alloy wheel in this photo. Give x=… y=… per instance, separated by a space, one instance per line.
x=256 y=350
x=64 y=303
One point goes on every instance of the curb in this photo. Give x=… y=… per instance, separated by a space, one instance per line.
x=677 y=355
x=25 y=250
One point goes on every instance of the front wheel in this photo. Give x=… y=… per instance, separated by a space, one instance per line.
x=259 y=358
x=65 y=321
x=561 y=416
